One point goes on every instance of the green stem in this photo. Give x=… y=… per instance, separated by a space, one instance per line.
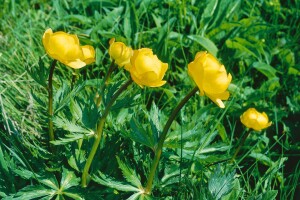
x=50 y=101
x=111 y=68
x=74 y=77
x=99 y=132
x=162 y=138
x=241 y=143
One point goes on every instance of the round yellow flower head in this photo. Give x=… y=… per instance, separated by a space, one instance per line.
x=146 y=69
x=119 y=52
x=65 y=48
x=255 y=120
x=211 y=77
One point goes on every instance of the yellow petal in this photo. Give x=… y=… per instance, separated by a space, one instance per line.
x=144 y=63
x=215 y=80
x=195 y=70
x=76 y=64
x=217 y=98
x=64 y=47
x=88 y=54
x=164 y=68
x=46 y=38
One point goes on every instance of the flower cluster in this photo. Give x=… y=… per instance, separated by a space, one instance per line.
x=146 y=69
x=66 y=49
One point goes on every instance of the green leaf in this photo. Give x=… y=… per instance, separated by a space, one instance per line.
x=73 y=196
x=269 y=195
x=68 y=180
x=241 y=49
x=236 y=190
x=3 y=163
x=265 y=69
x=49 y=181
x=262 y=158
x=77 y=160
x=129 y=174
x=155 y=122
x=24 y=173
x=68 y=139
x=138 y=134
x=39 y=73
x=109 y=182
x=70 y=126
x=32 y=192
x=64 y=95
x=110 y=19
x=205 y=43
x=2 y=194
x=220 y=184
x=208 y=13
x=134 y=196
x=77 y=18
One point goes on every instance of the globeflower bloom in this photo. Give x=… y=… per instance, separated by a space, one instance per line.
x=66 y=49
x=119 y=52
x=255 y=120
x=146 y=69
x=211 y=77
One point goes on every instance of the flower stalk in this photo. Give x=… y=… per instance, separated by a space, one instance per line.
x=50 y=101
x=241 y=143
x=99 y=132
x=111 y=68
x=158 y=149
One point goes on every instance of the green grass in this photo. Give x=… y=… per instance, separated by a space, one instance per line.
x=257 y=41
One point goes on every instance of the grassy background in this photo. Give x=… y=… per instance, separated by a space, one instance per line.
x=257 y=41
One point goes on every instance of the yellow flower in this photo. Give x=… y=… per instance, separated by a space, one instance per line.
x=211 y=77
x=119 y=52
x=65 y=48
x=146 y=69
x=255 y=120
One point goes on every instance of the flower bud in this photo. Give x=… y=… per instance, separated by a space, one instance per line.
x=146 y=69
x=65 y=48
x=119 y=52
x=255 y=120
x=211 y=77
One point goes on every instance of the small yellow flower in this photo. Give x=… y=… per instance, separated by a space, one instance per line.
x=255 y=120
x=119 y=52
x=146 y=69
x=211 y=77
x=65 y=48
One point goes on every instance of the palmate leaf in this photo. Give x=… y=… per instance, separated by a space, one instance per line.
x=76 y=131
x=154 y=120
x=32 y=192
x=68 y=139
x=139 y=134
x=70 y=126
x=48 y=188
x=39 y=73
x=110 y=182
x=220 y=184
x=146 y=136
x=68 y=180
x=64 y=94
x=139 y=196
x=236 y=190
x=129 y=174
